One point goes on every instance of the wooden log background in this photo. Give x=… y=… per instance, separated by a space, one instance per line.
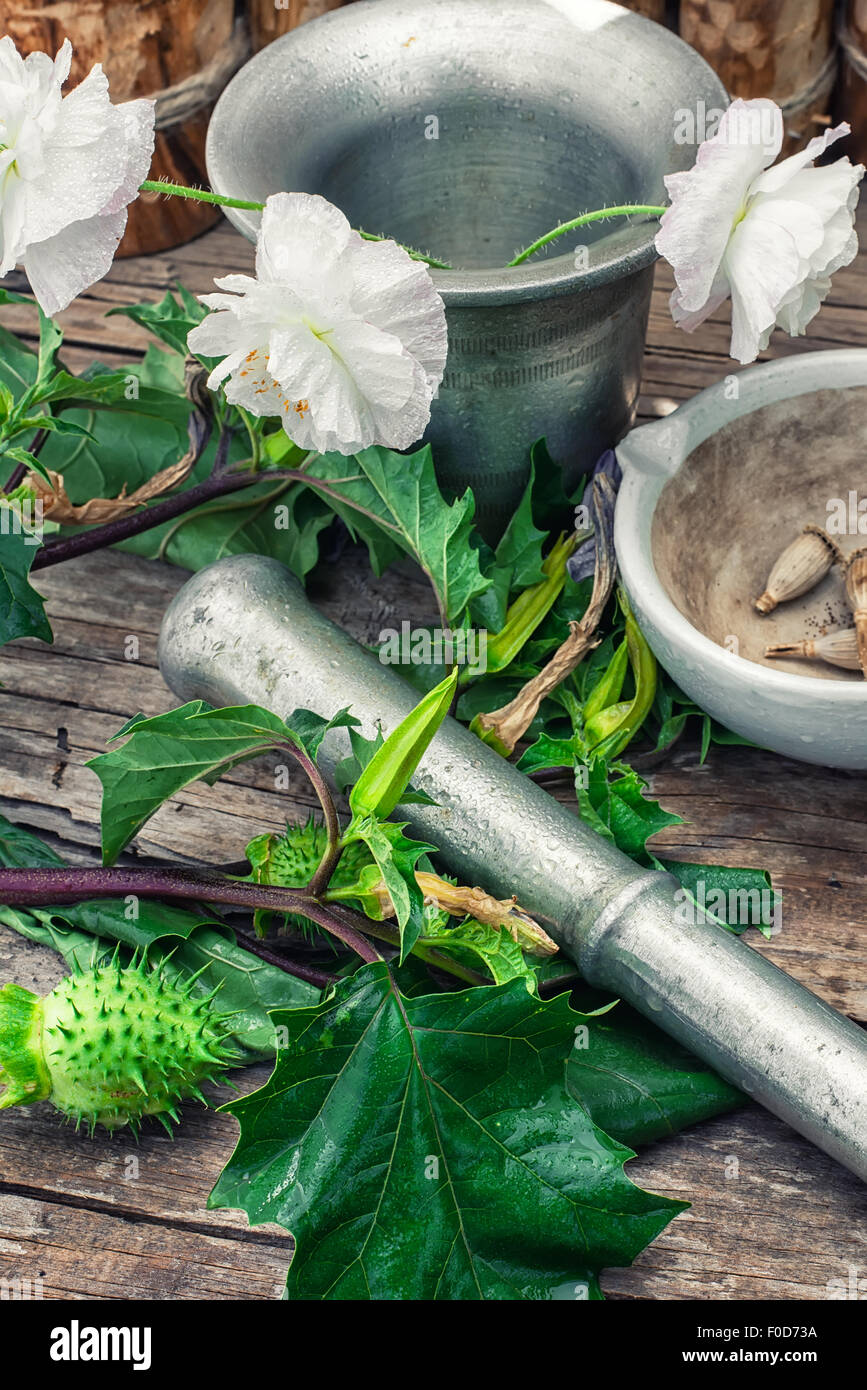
x=784 y=49
x=149 y=47
x=651 y=9
x=852 y=89
x=268 y=20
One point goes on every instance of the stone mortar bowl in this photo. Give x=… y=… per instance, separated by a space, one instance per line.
x=711 y=495
x=469 y=128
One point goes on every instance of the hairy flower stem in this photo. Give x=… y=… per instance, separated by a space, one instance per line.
x=206 y=196
x=44 y=887
x=202 y=195
x=199 y=195
x=647 y=210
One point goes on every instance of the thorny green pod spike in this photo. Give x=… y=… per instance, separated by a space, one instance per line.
x=110 y=1046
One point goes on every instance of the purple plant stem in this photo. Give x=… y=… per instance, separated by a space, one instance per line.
x=328 y=863
x=309 y=973
x=217 y=485
x=44 y=887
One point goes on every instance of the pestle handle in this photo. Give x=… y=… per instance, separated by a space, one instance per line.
x=243 y=631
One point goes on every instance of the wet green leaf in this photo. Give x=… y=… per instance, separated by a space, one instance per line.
x=22 y=609
x=637 y=1083
x=427 y=1149
x=397 y=495
x=396 y=858
x=170 y=751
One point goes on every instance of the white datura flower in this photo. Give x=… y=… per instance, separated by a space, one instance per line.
x=343 y=339
x=69 y=168
x=768 y=238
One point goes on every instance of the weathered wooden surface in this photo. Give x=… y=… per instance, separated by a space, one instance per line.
x=771 y=1216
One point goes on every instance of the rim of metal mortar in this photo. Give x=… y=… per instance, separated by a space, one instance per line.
x=514 y=284
x=626 y=250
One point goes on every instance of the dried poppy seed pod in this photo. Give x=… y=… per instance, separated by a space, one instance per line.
x=838 y=648
x=856 y=590
x=799 y=568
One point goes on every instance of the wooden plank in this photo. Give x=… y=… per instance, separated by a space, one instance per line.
x=84 y=1253
x=771 y=1217
x=737 y=1240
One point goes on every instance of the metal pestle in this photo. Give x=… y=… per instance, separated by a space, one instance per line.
x=243 y=631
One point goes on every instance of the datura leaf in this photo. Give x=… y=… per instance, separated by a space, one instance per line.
x=22 y=609
x=481 y=947
x=428 y=1149
x=396 y=858
x=382 y=495
x=637 y=1083
x=193 y=742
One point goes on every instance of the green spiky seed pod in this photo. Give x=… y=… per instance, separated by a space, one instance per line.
x=290 y=861
x=110 y=1046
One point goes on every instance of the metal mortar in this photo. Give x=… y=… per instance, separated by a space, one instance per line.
x=470 y=128
x=243 y=630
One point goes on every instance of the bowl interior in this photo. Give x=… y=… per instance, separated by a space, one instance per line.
x=499 y=175
x=464 y=127
x=738 y=500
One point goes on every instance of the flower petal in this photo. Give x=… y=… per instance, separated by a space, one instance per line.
x=397 y=294
x=337 y=415
x=774 y=179
x=803 y=306
x=762 y=263
x=355 y=332
x=376 y=361
x=709 y=198
x=301 y=239
x=63 y=62
x=84 y=161
x=11 y=62
x=138 y=119
x=67 y=264
x=77 y=164
x=402 y=428
x=690 y=321
x=219 y=334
